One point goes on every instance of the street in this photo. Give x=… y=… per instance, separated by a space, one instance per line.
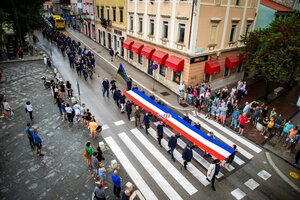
x=62 y=173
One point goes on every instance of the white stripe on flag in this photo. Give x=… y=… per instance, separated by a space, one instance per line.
x=164 y=162
x=190 y=167
x=132 y=172
x=156 y=175
x=195 y=135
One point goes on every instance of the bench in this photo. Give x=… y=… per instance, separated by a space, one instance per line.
x=278 y=90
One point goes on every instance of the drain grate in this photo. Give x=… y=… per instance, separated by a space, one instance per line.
x=165 y=93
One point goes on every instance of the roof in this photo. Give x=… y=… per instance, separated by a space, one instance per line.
x=275 y=6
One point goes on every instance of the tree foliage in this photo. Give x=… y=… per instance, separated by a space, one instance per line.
x=273 y=53
x=24 y=15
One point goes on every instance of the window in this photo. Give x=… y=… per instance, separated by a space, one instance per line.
x=248 y=28
x=121 y=15
x=131 y=23
x=213 y=34
x=181 y=32
x=131 y=55
x=162 y=70
x=107 y=13
x=176 y=77
x=165 y=30
x=140 y=24
x=114 y=14
x=102 y=13
x=237 y=2
x=151 y=30
x=150 y=69
x=98 y=13
x=226 y=72
x=232 y=33
x=140 y=59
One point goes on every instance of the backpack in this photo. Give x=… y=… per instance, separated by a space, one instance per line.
x=85 y=153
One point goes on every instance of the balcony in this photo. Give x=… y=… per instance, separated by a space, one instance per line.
x=105 y=22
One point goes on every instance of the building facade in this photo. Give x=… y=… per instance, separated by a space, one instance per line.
x=111 y=24
x=88 y=16
x=268 y=11
x=188 y=40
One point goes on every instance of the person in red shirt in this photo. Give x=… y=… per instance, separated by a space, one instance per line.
x=243 y=120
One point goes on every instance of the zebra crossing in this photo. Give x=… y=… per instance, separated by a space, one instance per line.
x=143 y=150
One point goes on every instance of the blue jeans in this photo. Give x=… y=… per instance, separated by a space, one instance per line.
x=234 y=122
x=171 y=150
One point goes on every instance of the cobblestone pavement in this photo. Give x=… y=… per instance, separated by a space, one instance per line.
x=62 y=173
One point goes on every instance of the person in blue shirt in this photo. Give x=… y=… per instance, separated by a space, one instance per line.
x=172 y=145
x=286 y=129
x=116 y=179
x=29 y=132
x=37 y=142
x=146 y=122
x=235 y=118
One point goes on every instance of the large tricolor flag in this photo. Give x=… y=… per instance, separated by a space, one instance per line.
x=194 y=135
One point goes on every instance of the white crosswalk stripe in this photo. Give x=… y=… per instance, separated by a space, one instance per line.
x=164 y=162
x=156 y=175
x=118 y=123
x=227 y=141
x=191 y=168
x=130 y=169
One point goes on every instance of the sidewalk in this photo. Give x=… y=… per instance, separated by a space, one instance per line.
x=255 y=91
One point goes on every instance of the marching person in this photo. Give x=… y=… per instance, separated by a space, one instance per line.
x=105 y=87
x=160 y=132
x=230 y=158
x=187 y=154
x=137 y=116
x=29 y=109
x=128 y=108
x=212 y=172
x=172 y=145
x=146 y=122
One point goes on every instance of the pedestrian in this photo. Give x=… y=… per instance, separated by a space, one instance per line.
x=29 y=109
x=234 y=119
x=45 y=61
x=297 y=157
x=187 y=118
x=49 y=63
x=160 y=132
x=105 y=87
x=87 y=153
x=129 y=83
x=113 y=86
x=126 y=195
x=99 y=193
x=116 y=179
x=286 y=129
x=146 y=122
x=37 y=142
x=223 y=114
x=69 y=89
x=21 y=53
x=69 y=111
x=172 y=145
x=243 y=120
x=102 y=174
x=99 y=154
x=187 y=154
x=197 y=125
x=137 y=116
x=7 y=109
x=111 y=53
x=77 y=110
x=29 y=132
x=93 y=128
x=128 y=108
x=94 y=165
x=230 y=158
x=122 y=99
x=62 y=90
x=212 y=172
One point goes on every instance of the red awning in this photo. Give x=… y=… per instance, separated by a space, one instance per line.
x=212 y=67
x=147 y=52
x=175 y=63
x=137 y=47
x=159 y=57
x=231 y=62
x=127 y=44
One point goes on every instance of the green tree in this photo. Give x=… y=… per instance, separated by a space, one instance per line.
x=273 y=53
x=24 y=15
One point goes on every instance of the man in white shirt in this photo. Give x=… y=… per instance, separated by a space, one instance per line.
x=29 y=109
x=69 y=111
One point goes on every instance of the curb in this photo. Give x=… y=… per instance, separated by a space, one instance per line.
x=24 y=60
x=282 y=176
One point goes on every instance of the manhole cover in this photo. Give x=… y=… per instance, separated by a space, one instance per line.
x=294 y=175
x=165 y=93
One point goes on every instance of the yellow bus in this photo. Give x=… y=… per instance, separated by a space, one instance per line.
x=58 y=22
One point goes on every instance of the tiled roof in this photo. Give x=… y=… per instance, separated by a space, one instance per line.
x=275 y=6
